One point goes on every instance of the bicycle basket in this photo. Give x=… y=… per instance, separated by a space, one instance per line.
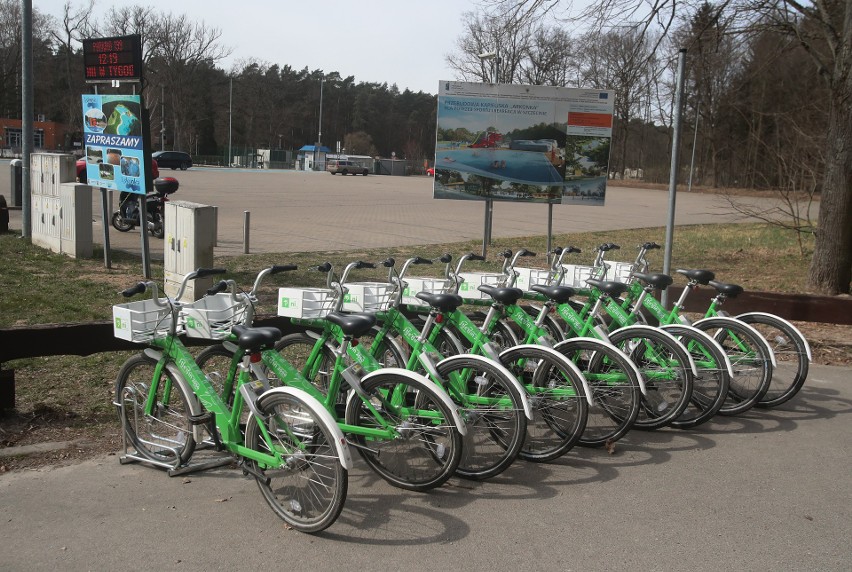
x=305 y=302
x=143 y=320
x=529 y=276
x=415 y=285
x=368 y=296
x=472 y=280
x=212 y=317
x=576 y=275
x=619 y=271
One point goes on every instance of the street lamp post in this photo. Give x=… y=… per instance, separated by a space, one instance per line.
x=319 y=130
x=489 y=203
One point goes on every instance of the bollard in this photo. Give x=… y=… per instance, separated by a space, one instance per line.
x=246 y=231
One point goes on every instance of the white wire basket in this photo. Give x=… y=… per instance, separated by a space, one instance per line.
x=415 y=285
x=530 y=276
x=368 y=296
x=576 y=275
x=619 y=271
x=305 y=302
x=143 y=320
x=472 y=280
x=212 y=317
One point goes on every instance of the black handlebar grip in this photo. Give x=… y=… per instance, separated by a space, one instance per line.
x=282 y=268
x=506 y=253
x=203 y=272
x=326 y=267
x=388 y=262
x=421 y=260
x=473 y=256
x=651 y=246
x=362 y=264
x=525 y=252
x=446 y=258
x=556 y=250
x=220 y=286
x=138 y=289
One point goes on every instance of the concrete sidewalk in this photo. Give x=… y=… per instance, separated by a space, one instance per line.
x=769 y=490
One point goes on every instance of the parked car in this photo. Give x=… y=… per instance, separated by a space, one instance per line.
x=173 y=160
x=345 y=167
x=82 y=177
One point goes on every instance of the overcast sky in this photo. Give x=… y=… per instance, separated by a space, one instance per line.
x=395 y=41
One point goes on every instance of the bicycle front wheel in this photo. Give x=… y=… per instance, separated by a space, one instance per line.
x=308 y=488
x=425 y=447
x=792 y=356
x=164 y=435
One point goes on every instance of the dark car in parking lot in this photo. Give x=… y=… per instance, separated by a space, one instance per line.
x=173 y=160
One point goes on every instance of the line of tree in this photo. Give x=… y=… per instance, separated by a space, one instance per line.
x=191 y=98
x=768 y=94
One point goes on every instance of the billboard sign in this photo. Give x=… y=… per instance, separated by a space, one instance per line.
x=525 y=143
x=112 y=138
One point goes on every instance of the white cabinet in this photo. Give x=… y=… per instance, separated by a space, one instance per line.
x=190 y=236
x=75 y=220
x=49 y=171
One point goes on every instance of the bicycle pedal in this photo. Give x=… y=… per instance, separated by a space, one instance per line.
x=201 y=418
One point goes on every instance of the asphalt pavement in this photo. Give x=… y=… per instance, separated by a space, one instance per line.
x=768 y=490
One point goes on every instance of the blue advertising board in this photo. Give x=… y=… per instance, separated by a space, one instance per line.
x=113 y=143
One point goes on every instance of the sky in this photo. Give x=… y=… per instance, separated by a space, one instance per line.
x=395 y=41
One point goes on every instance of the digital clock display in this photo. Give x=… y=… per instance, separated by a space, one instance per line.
x=107 y=59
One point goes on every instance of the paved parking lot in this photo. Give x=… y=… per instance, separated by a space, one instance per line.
x=292 y=211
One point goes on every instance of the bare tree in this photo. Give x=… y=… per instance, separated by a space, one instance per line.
x=824 y=28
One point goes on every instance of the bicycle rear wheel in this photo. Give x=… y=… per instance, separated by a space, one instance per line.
x=166 y=435
x=426 y=447
x=750 y=358
x=710 y=387
x=791 y=356
x=614 y=383
x=555 y=390
x=309 y=488
x=493 y=409
x=665 y=365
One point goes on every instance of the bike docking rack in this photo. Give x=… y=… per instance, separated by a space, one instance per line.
x=142 y=321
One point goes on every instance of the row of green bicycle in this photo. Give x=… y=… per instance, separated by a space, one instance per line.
x=420 y=389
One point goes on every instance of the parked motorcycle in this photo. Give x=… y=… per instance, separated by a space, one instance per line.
x=126 y=218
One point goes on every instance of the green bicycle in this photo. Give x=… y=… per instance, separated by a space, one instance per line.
x=165 y=403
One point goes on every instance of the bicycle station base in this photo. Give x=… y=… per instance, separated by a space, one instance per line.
x=209 y=459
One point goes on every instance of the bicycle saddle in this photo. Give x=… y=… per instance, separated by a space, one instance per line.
x=443 y=302
x=559 y=294
x=502 y=295
x=354 y=325
x=254 y=339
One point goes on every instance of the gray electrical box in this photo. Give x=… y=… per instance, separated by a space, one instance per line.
x=188 y=243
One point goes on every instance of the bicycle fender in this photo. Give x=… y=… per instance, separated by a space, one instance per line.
x=428 y=386
x=519 y=388
x=343 y=454
x=754 y=331
x=706 y=338
x=611 y=347
x=794 y=328
x=194 y=404
x=562 y=360
x=666 y=334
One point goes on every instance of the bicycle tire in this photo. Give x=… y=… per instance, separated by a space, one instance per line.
x=666 y=368
x=710 y=386
x=560 y=410
x=495 y=432
x=427 y=450
x=792 y=356
x=165 y=436
x=614 y=382
x=296 y=349
x=749 y=357
x=308 y=491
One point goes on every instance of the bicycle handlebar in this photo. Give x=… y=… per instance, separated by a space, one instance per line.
x=137 y=289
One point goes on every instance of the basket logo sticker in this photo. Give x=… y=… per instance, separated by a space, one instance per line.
x=191 y=323
x=119 y=324
x=350 y=298
x=287 y=303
